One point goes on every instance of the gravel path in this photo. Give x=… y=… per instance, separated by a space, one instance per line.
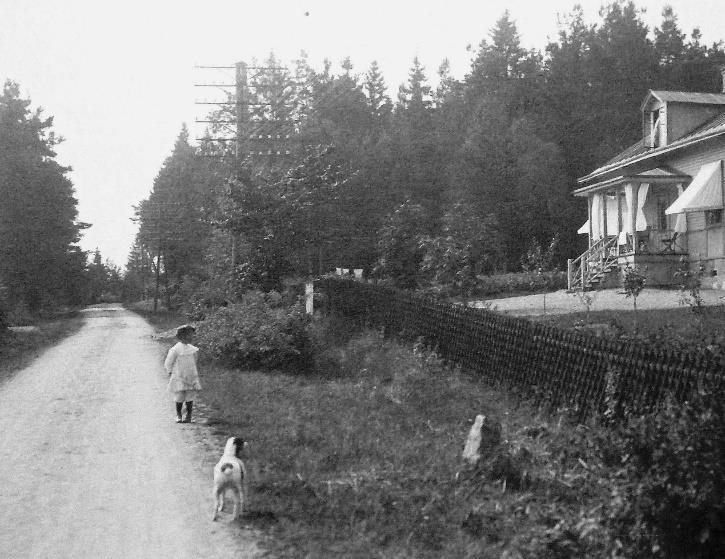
x=92 y=464
x=562 y=302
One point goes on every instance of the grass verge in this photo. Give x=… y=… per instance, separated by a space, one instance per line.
x=362 y=459
x=18 y=349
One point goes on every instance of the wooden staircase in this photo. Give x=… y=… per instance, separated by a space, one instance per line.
x=591 y=267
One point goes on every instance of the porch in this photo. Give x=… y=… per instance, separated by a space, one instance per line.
x=628 y=225
x=659 y=252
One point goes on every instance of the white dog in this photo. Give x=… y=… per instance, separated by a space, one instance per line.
x=230 y=476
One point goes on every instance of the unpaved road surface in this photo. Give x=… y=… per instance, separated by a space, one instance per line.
x=92 y=464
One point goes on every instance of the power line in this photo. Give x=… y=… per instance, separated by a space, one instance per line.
x=263 y=131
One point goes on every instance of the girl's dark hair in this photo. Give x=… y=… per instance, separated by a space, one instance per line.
x=185 y=330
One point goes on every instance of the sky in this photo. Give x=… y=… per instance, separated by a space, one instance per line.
x=118 y=77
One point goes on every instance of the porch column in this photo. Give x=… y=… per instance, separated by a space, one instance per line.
x=604 y=214
x=680 y=218
x=590 y=200
x=633 y=214
x=619 y=216
x=619 y=210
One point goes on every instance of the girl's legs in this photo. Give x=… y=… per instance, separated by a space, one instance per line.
x=179 y=398
x=189 y=409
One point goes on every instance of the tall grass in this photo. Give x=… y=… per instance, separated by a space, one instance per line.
x=362 y=459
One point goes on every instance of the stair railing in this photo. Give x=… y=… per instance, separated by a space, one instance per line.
x=592 y=263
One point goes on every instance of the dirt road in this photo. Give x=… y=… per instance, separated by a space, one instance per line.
x=92 y=464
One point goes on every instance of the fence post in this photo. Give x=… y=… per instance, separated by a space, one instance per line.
x=310 y=297
x=568 y=274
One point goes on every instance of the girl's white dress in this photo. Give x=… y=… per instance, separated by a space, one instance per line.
x=181 y=365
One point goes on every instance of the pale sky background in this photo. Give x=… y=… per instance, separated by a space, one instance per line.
x=118 y=76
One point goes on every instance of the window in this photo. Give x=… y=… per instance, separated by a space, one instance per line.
x=655 y=139
x=713 y=217
x=663 y=202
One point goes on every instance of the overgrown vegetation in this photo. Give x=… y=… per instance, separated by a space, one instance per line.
x=260 y=332
x=362 y=458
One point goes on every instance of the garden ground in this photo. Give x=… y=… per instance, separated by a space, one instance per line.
x=564 y=302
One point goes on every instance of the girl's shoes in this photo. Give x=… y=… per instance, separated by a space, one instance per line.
x=179 y=420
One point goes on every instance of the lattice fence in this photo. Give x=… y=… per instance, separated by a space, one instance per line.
x=565 y=367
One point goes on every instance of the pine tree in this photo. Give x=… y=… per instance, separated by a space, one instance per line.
x=174 y=220
x=417 y=173
x=415 y=96
x=39 y=260
x=669 y=39
x=375 y=90
x=497 y=61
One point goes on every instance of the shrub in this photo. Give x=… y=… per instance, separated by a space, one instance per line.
x=690 y=284
x=670 y=499
x=258 y=332
x=503 y=284
x=521 y=282
x=19 y=315
x=195 y=298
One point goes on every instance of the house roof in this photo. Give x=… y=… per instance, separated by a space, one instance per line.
x=662 y=174
x=685 y=97
x=640 y=152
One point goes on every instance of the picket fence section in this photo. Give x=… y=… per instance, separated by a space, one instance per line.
x=565 y=367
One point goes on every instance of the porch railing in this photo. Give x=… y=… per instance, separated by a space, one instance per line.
x=592 y=264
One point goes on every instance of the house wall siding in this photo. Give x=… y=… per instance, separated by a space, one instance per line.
x=706 y=245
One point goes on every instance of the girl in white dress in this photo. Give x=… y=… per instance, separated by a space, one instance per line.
x=184 y=377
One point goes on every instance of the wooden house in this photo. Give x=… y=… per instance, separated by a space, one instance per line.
x=659 y=203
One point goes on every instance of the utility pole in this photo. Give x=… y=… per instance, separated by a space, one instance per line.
x=255 y=126
x=242 y=114
x=158 y=258
x=242 y=117
x=251 y=124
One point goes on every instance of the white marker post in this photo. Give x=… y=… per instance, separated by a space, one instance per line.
x=309 y=297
